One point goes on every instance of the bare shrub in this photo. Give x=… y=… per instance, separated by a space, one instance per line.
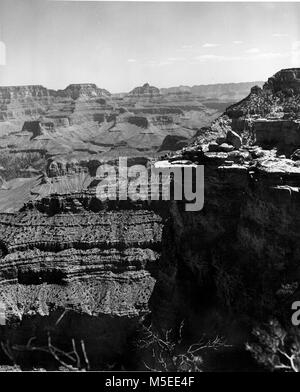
x=169 y=354
x=275 y=348
x=74 y=360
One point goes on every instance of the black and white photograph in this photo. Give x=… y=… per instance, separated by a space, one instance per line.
x=149 y=189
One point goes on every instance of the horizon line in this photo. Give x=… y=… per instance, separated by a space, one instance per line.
x=122 y=92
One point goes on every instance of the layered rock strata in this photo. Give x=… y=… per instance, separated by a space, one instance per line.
x=60 y=258
x=93 y=273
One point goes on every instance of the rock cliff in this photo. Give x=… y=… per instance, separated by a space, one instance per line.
x=284 y=80
x=100 y=265
x=31 y=101
x=234 y=264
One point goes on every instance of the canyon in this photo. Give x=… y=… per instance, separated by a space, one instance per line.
x=83 y=119
x=78 y=268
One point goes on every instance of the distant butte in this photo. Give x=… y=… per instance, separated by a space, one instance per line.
x=145 y=90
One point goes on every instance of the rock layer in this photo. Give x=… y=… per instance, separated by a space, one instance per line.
x=99 y=267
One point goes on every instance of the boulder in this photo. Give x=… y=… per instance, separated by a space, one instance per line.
x=234 y=139
x=257 y=90
x=226 y=147
x=239 y=156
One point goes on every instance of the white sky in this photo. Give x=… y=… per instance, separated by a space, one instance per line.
x=121 y=45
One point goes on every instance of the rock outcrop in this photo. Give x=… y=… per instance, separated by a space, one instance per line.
x=33 y=101
x=234 y=139
x=83 y=90
x=279 y=98
x=284 y=80
x=145 y=91
x=282 y=134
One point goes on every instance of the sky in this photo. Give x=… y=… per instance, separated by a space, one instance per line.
x=121 y=45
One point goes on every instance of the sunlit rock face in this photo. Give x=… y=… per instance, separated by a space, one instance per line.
x=68 y=260
x=284 y=80
x=25 y=102
x=146 y=90
x=279 y=98
x=83 y=90
x=270 y=117
x=84 y=120
x=14 y=92
x=98 y=266
x=20 y=101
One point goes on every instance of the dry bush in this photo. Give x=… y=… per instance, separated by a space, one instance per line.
x=275 y=348
x=170 y=355
x=74 y=360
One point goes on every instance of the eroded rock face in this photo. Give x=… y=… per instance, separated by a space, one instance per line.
x=12 y=92
x=84 y=120
x=283 y=134
x=84 y=90
x=100 y=265
x=61 y=167
x=19 y=102
x=145 y=91
x=279 y=98
x=229 y=262
x=284 y=80
x=233 y=260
